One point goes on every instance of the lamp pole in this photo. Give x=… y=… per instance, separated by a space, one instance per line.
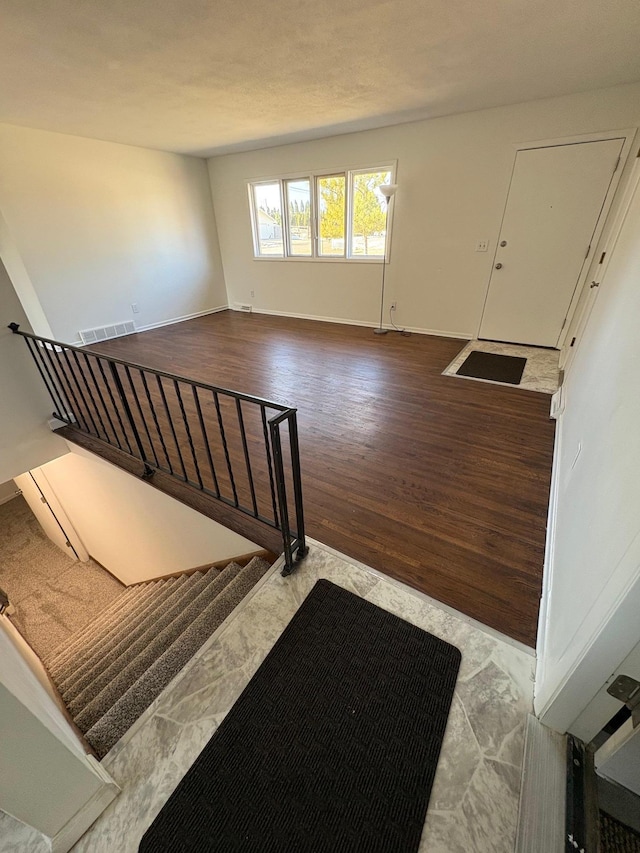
x=388 y=191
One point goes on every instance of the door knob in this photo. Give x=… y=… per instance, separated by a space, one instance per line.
x=503 y=243
x=594 y=284
x=498 y=266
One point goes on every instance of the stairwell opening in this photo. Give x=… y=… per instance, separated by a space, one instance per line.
x=111 y=641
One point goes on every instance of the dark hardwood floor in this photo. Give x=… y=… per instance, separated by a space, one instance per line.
x=439 y=482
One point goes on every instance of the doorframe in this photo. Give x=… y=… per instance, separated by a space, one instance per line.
x=579 y=320
x=628 y=135
x=58 y=512
x=576 y=703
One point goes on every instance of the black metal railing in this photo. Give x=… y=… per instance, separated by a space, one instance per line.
x=239 y=449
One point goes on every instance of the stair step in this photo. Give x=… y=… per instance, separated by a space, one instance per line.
x=79 y=638
x=88 y=706
x=109 y=728
x=62 y=650
x=92 y=640
x=105 y=650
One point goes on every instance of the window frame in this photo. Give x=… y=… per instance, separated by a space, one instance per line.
x=284 y=192
x=312 y=176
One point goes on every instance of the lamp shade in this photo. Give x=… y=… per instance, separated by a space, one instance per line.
x=388 y=190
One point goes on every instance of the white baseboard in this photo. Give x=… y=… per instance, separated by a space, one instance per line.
x=75 y=828
x=467 y=336
x=417 y=330
x=182 y=319
x=78 y=342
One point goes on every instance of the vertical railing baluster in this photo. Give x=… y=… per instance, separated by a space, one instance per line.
x=188 y=431
x=104 y=405
x=79 y=413
x=247 y=460
x=226 y=449
x=155 y=419
x=267 y=447
x=79 y=387
x=116 y=408
x=205 y=438
x=173 y=431
x=142 y=417
x=71 y=413
x=129 y=415
x=93 y=402
x=49 y=384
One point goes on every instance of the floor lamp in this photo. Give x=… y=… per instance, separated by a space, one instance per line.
x=388 y=191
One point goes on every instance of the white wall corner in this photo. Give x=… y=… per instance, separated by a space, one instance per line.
x=75 y=828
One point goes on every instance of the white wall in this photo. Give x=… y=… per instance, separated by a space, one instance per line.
x=453 y=176
x=590 y=616
x=132 y=529
x=97 y=226
x=7 y=491
x=25 y=438
x=45 y=778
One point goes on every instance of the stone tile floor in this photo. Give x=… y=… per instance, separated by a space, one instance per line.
x=474 y=802
x=541 y=372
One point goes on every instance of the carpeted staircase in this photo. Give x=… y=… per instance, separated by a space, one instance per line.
x=111 y=670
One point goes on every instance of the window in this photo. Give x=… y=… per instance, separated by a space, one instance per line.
x=267 y=204
x=337 y=215
x=299 y=219
x=330 y=191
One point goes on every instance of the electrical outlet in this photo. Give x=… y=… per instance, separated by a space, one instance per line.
x=482 y=246
x=135 y=307
x=253 y=293
x=393 y=306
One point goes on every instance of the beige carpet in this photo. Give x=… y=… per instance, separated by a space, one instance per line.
x=53 y=595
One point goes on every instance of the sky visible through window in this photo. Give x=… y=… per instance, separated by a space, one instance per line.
x=289 y=212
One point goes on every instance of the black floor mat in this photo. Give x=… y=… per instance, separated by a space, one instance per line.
x=490 y=365
x=615 y=837
x=332 y=747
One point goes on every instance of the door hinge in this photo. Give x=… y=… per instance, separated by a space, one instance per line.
x=573 y=340
x=564 y=323
x=588 y=250
x=626 y=689
x=602 y=257
x=618 y=161
x=68 y=544
x=43 y=499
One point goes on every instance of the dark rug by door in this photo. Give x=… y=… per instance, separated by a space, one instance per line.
x=615 y=837
x=492 y=366
x=331 y=748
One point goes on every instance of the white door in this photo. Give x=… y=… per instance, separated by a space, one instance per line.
x=554 y=204
x=51 y=516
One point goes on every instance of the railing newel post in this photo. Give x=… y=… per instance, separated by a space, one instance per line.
x=278 y=464
x=302 y=549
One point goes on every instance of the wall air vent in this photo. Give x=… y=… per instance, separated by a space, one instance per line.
x=94 y=336
x=242 y=306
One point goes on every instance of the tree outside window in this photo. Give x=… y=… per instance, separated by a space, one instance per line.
x=338 y=215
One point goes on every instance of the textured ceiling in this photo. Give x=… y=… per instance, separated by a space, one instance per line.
x=208 y=77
